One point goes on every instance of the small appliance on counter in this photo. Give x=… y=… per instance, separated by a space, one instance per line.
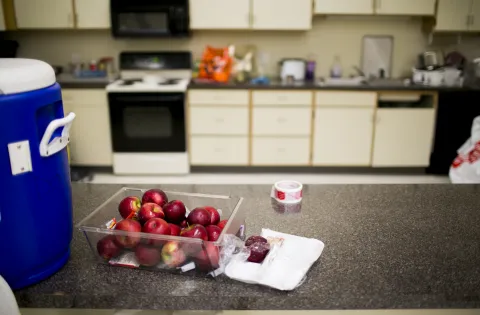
x=36 y=200
x=293 y=68
x=146 y=18
x=147 y=113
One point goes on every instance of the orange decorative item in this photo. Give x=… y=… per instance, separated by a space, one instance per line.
x=216 y=64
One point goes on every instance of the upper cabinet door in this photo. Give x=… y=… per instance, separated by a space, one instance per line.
x=475 y=16
x=453 y=15
x=44 y=14
x=2 y=18
x=282 y=14
x=93 y=14
x=405 y=7
x=344 y=6
x=220 y=14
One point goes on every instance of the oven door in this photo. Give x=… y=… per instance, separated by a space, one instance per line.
x=147 y=122
x=147 y=18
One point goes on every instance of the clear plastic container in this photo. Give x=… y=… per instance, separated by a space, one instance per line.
x=177 y=254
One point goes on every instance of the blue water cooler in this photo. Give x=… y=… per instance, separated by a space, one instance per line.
x=35 y=197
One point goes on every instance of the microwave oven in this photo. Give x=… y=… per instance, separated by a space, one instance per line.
x=150 y=18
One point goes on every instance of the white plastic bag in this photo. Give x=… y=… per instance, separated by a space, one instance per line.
x=285 y=266
x=465 y=168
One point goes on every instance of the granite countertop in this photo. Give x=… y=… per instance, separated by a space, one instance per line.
x=68 y=81
x=386 y=247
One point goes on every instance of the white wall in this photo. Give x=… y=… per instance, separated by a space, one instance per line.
x=329 y=36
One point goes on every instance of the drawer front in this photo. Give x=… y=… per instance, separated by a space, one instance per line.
x=93 y=97
x=281 y=151
x=218 y=121
x=286 y=98
x=217 y=97
x=218 y=150
x=284 y=121
x=362 y=99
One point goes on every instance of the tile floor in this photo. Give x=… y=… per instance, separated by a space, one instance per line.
x=269 y=178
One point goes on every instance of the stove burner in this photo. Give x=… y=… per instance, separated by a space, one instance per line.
x=130 y=82
x=169 y=82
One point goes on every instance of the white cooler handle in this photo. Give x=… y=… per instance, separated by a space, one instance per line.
x=58 y=143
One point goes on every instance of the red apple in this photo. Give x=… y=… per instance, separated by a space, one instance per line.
x=156 y=196
x=255 y=239
x=172 y=255
x=108 y=248
x=213 y=232
x=214 y=215
x=147 y=256
x=129 y=206
x=175 y=211
x=184 y=224
x=195 y=231
x=208 y=258
x=149 y=211
x=258 y=252
x=222 y=224
x=199 y=216
x=128 y=225
x=174 y=229
x=156 y=226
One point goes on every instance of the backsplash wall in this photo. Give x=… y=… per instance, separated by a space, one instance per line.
x=330 y=36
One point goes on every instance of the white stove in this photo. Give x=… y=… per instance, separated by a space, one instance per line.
x=138 y=85
x=148 y=113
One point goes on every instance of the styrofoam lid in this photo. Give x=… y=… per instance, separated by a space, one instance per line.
x=22 y=75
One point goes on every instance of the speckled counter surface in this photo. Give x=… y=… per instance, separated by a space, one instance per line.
x=278 y=85
x=68 y=81
x=386 y=246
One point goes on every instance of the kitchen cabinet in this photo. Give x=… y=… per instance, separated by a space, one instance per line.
x=475 y=16
x=217 y=150
x=405 y=7
x=343 y=136
x=44 y=14
x=280 y=151
x=219 y=127
x=344 y=6
x=403 y=137
x=220 y=14
x=281 y=14
x=90 y=136
x=93 y=14
x=453 y=15
x=2 y=18
x=282 y=122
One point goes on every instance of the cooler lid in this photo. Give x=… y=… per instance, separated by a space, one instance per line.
x=23 y=75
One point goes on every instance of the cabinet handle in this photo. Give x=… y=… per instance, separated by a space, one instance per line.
x=219 y=120
x=468 y=20
x=472 y=20
x=281 y=120
x=281 y=150
x=218 y=150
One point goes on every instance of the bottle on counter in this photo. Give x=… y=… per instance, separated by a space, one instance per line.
x=310 y=73
x=336 y=69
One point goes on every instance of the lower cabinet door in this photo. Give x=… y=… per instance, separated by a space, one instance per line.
x=281 y=151
x=343 y=136
x=403 y=137
x=216 y=150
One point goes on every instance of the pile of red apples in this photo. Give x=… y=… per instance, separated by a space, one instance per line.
x=155 y=214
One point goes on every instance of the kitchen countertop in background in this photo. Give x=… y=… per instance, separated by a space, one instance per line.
x=68 y=81
x=386 y=247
